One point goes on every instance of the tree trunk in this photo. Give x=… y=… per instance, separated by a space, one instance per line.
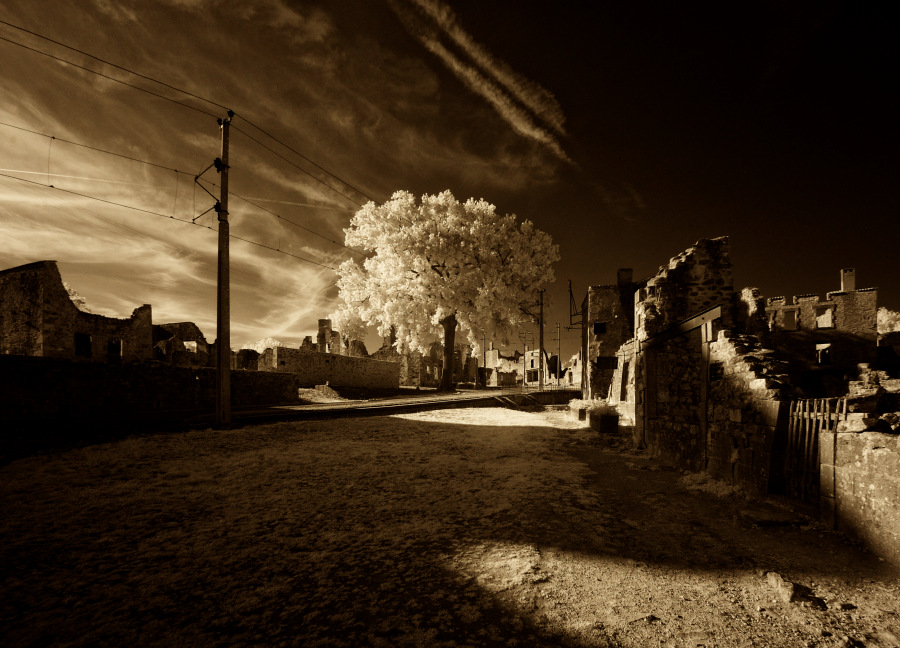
x=449 y=324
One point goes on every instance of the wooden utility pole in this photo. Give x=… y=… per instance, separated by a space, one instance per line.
x=541 y=345
x=223 y=302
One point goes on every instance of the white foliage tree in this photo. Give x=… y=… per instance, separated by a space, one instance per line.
x=888 y=321
x=439 y=264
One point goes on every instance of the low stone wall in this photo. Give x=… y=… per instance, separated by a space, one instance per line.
x=41 y=389
x=313 y=369
x=860 y=487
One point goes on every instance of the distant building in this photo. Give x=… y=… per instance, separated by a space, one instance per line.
x=830 y=334
x=607 y=316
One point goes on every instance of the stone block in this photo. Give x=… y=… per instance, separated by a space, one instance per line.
x=826 y=480
x=827 y=442
x=828 y=511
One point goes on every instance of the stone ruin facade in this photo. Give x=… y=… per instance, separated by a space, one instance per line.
x=704 y=370
x=38 y=318
x=608 y=322
x=419 y=369
x=825 y=338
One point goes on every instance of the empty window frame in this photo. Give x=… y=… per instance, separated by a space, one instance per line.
x=599 y=328
x=789 y=320
x=83 y=345
x=114 y=350
x=824 y=317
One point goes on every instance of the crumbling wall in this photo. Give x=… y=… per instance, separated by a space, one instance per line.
x=622 y=388
x=825 y=338
x=181 y=344
x=21 y=310
x=746 y=385
x=39 y=318
x=692 y=282
x=669 y=412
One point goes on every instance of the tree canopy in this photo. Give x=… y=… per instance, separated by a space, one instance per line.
x=437 y=264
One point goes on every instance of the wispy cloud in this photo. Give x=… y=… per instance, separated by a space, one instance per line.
x=533 y=96
x=528 y=108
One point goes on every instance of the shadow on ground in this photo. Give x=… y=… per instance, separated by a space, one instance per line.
x=421 y=530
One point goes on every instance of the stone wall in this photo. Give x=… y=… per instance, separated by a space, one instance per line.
x=672 y=373
x=745 y=415
x=337 y=370
x=37 y=317
x=37 y=389
x=669 y=377
x=692 y=282
x=621 y=392
x=860 y=487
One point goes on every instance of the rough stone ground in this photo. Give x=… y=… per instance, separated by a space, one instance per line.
x=481 y=527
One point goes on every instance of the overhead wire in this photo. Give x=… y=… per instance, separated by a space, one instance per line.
x=296 y=152
x=93 y=148
x=300 y=168
x=195 y=108
x=106 y=76
x=166 y=168
x=170 y=217
x=111 y=64
x=286 y=220
x=189 y=94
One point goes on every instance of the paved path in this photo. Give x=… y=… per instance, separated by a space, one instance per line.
x=419 y=402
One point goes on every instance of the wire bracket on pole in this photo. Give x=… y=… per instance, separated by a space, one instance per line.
x=223 y=214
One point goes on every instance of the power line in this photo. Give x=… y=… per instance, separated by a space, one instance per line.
x=187 y=93
x=160 y=166
x=170 y=217
x=94 y=148
x=119 y=67
x=296 y=152
x=300 y=168
x=106 y=76
x=290 y=222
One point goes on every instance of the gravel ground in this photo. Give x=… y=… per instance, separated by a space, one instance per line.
x=465 y=527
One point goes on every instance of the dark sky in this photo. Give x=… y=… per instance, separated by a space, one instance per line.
x=627 y=131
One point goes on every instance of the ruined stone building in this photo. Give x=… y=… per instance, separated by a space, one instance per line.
x=38 y=318
x=704 y=370
x=825 y=338
x=607 y=322
x=181 y=344
x=532 y=368
x=501 y=370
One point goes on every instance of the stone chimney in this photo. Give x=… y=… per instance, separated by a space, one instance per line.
x=848 y=279
x=323 y=339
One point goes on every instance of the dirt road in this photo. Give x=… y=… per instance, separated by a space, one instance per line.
x=454 y=528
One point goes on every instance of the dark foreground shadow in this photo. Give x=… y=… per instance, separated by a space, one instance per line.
x=361 y=532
